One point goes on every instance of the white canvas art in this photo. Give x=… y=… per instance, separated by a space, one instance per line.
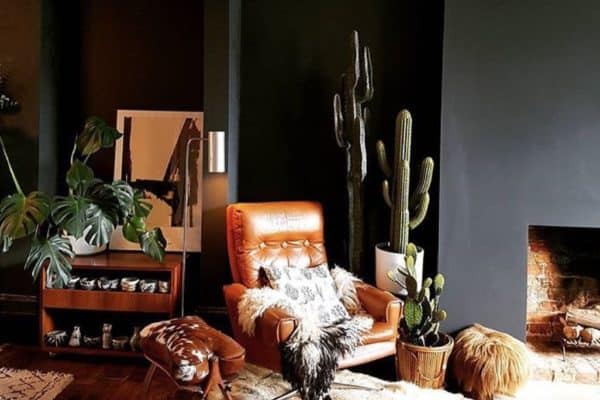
x=151 y=157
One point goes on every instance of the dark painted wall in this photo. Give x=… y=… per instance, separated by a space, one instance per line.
x=135 y=54
x=19 y=60
x=292 y=56
x=221 y=101
x=520 y=139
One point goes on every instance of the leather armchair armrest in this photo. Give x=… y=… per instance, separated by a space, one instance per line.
x=274 y=327
x=381 y=305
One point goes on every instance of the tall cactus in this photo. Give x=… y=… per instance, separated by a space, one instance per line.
x=350 y=118
x=407 y=211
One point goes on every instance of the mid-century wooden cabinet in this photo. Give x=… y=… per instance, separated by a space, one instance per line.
x=61 y=309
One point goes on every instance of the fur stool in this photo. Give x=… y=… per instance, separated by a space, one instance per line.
x=486 y=362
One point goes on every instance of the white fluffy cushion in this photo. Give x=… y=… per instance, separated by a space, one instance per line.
x=313 y=289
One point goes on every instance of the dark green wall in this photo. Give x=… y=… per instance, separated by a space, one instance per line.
x=19 y=60
x=135 y=54
x=292 y=56
x=98 y=56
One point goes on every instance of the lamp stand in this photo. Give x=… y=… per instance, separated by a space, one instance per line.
x=186 y=212
x=216 y=163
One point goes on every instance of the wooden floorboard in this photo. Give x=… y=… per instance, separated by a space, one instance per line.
x=97 y=379
x=115 y=379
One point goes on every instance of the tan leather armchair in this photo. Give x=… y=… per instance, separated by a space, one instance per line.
x=291 y=233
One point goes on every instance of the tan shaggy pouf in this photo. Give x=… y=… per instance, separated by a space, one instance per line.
x=487 y=362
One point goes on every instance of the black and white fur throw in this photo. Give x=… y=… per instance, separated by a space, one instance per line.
x=310 y=357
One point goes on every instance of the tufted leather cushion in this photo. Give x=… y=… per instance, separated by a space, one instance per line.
x=273 y=234
x=185 y=346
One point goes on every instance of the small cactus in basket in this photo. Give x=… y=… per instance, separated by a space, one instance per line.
x=422 y=313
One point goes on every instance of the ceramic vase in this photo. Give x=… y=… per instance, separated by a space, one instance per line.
x=134 y=342
x=75 y=340
x=106 y=336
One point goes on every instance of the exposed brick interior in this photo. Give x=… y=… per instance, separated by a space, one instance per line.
x=563 y=270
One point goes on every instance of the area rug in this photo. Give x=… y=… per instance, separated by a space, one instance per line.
x=22 y=384
x=548 y=390
x=255 y=383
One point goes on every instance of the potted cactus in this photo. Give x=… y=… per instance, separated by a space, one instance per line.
x=422 y=351
x=407 y=210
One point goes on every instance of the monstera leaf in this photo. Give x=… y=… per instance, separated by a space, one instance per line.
x=131 y=201
x=96 y=134
x=79 y=177
x=5 y=243
x=53 y=251
x=100 y=224
x=124 y=194
x=141 y=208
x=153 y=244
x=20 y=215
x=69 y=214
x=133 y=228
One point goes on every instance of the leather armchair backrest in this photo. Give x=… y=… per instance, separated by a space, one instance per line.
x=278 y=233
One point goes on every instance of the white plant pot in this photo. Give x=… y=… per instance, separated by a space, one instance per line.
x=387 y=260
x=82 y=248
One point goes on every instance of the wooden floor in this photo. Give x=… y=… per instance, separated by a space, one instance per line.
x=114 y=379
x=94 y=379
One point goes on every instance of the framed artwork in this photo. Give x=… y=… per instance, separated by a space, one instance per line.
x=151 y=157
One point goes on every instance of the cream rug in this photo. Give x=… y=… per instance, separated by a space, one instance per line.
x=547 y=390
x=255 y=383
x=22 y=384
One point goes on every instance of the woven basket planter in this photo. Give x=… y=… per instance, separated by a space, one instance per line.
x=423 y=366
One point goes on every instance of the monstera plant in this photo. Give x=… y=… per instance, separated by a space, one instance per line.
x=90 y=211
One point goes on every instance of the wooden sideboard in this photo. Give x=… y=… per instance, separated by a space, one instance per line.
x=61 y=309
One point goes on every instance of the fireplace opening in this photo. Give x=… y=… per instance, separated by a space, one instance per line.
x=563 y=302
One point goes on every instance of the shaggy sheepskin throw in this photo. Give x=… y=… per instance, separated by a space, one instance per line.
x=486 y=362
x=310 y=357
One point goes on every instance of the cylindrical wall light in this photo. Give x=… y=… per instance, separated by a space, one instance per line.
x=216 y=151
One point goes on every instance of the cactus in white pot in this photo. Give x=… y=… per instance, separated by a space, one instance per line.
x=407 y=210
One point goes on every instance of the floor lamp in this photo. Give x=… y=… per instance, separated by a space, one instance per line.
x=216 y=164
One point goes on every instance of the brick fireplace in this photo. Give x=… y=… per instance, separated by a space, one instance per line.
x=563 y=271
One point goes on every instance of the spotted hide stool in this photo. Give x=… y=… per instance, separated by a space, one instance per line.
x=190 y=352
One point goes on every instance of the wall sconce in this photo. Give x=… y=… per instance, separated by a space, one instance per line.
x=216 y=152
x=216 y=164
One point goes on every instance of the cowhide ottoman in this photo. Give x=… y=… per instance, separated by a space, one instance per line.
x=193 y=354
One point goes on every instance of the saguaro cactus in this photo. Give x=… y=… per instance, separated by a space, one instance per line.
x=407 y=211
x=350 y=117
